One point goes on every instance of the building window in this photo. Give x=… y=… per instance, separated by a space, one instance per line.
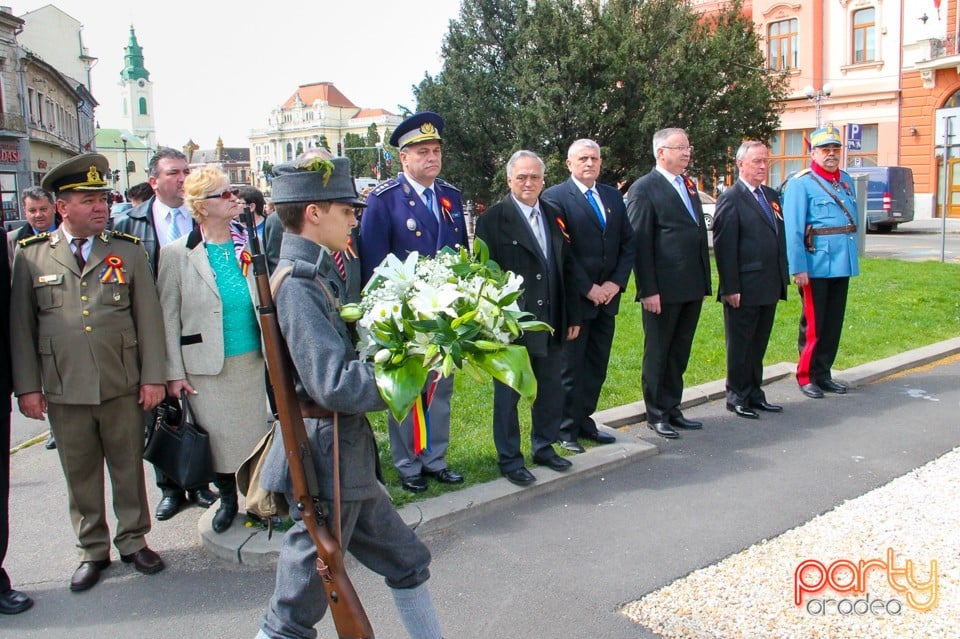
x=8 y=196
x=864 y=35
x=788 y=154
x=782 y=45
x=289 y=151
x=143 y=106
x=866 y=155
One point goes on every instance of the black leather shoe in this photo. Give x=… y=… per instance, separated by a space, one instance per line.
x=13 y=602
x=572 y=446
x=766 y=406
x=203 y=497
x=520 y=476
x=144 y=560
x=87 y=575
x=833 y=386
x=682 y=422
x=445 y=476
x=663 y=429
x=169 y=506
x=742 y=411
x=601 y=437
x=811 y=390
x=414 y=483
x=555 y=462
x=51 y=442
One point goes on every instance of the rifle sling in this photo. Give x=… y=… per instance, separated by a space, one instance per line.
x=313 y=410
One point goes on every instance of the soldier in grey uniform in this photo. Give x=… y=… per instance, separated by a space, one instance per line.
x=88 y=352
x=318 y=215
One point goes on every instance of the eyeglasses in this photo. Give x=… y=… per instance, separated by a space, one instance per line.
x=679 y=148
x=225 y=195
x=829 y=149
x=523 y=177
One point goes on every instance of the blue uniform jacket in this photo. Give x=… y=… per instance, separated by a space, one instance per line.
x=805 y=202
x=397 y=221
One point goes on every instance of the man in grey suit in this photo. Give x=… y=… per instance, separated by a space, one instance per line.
x=751 y=254
x=602 y=248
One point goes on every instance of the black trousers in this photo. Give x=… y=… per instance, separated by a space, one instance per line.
x=667 y=340
x=747 y=332
x=4 y=495
x=545 y=414
x=824 y=304
x=585 y=362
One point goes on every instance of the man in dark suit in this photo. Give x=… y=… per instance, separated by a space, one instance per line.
x=157 y=222
x=419 y=212
x=602 y=248
x=524 y=236
x=672 y=274
x=748 y=244
x=41 y=214
x=11 y=601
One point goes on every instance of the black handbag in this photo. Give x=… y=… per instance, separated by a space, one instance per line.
x=179 y=447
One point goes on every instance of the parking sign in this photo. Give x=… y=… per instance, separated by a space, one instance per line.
x=854 y=136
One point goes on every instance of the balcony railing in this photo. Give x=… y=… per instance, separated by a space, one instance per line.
x=12 y=122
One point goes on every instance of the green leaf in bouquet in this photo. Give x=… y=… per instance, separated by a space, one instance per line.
x=510 y=298
x=488 y=346
x=399 y=386
x=480 y=250
x=511 y=366
x=531 y=326
x=475 y=373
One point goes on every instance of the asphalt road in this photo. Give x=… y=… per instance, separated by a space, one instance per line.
x=559 y=565
x=915 y=244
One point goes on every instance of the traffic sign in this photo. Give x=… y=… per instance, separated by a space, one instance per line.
x=854 y=136
x=386 y=155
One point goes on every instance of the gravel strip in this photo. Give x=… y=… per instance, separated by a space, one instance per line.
x=750 y=595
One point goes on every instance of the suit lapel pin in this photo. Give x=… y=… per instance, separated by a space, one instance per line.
x=411 y=223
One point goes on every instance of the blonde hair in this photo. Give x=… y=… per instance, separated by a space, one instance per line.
x=198 y=185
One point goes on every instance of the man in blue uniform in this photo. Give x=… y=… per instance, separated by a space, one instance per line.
x=819 y=209
x=416 y=212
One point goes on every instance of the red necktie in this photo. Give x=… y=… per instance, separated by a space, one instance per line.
x=78 y=243
x=338 y=258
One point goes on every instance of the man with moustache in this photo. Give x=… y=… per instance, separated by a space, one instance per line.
x=88 y=352
x=748 y=244
x=602 y=248
x=524 y=235
x=673 y=276
x=160 y=220
x=419 y=212
x=819 y=216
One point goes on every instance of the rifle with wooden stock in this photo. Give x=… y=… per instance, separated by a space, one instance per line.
x=348 y=614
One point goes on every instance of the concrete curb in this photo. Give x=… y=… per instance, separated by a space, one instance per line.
x=252 y=546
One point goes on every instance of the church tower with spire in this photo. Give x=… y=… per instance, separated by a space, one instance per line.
x=137 y=93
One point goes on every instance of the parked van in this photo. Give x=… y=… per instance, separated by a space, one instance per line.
x=889 y=196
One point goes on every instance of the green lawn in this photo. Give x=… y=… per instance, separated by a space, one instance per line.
x=893 y=306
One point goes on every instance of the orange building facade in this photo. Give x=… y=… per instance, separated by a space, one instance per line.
x=883 y=71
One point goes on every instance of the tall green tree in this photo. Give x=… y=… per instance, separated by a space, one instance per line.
x=541 y=75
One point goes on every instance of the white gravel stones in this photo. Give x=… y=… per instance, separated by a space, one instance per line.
x=750 y=595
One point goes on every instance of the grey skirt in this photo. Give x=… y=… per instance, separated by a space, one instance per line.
x=232 y=407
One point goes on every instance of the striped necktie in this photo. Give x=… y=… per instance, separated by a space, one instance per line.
x=173 y=229
x=338 y=260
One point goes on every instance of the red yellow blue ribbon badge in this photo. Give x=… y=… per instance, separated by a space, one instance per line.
x=245 y=261
x=113 y=271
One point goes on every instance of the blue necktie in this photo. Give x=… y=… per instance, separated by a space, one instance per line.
x=428 y=200
x=765 y=206
x=596 y=208
x=686 y=198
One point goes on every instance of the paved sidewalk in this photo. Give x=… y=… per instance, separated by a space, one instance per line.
x=254 y=547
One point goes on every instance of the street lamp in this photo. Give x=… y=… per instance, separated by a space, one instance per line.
x=126 y=164
x=817 y=97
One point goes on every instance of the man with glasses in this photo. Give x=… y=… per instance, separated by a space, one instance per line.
x=419 y=212
x=672 y=270
x=525 y=235
x=819 y=216
x=160 y=220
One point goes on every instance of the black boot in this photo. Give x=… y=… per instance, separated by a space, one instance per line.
x=223 y=518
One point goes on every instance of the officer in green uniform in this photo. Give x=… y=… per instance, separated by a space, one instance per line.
x=88 y=352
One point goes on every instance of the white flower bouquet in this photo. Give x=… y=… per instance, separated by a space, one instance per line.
x=454 y=311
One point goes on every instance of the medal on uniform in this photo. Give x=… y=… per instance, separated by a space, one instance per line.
x=445 y=206
x=113 y=272
x=411 y=223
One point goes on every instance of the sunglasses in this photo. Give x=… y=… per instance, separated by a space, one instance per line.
x=226 y=195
